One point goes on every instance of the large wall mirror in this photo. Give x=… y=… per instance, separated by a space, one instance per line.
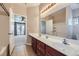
x=63 y=23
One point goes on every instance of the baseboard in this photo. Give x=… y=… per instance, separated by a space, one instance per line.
x=12 y=51
x=8 y=50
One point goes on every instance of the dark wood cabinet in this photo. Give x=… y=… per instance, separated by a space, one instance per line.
x=52 y=52
x=41 y=49
x=34 y=44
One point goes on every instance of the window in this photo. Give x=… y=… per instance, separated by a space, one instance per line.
x=75 y=21
x=19 y=28
x=19 y=25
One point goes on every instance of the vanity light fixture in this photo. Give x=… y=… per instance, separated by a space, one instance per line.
x=47 y=7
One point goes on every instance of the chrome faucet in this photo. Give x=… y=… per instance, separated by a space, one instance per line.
x=65 y=42
x=46 y=37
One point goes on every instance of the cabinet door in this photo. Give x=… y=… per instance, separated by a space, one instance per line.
x=52 y=52
x=40 y=48
x=34 y=44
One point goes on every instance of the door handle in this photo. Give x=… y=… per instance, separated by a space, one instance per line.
x=10 y=33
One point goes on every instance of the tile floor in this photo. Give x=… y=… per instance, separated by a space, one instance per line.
x=23 y=50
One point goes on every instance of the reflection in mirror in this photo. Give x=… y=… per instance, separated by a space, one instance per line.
x=62 y=23
x=46 y=26
x=55 y=24
x=43 y=26
x=49 y=27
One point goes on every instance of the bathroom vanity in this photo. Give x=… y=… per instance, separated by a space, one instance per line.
x=52 y=46
x=42 y=49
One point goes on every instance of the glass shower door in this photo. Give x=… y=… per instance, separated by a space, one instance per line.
x=75 y=22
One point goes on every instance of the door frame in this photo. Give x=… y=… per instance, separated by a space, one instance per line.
x=10 y=18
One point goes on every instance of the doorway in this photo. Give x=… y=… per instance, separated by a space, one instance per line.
x=17 y=30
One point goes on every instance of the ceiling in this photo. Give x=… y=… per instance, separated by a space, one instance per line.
x=42 y=5
x=27 y=4
x=32 y=4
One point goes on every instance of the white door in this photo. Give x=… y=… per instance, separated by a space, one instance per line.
x=49 y=26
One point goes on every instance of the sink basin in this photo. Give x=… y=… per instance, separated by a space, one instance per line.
x=55 y=40
x=57 y=43
x=68 y=49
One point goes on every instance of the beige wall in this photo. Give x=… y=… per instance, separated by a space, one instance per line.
x=59 y=20
x=59 y=17
x=4 y=29
x=33 y=20
x=60 y=23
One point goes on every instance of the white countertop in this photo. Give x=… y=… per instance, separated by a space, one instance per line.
x=56 y=42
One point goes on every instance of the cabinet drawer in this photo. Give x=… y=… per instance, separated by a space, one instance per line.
x=34 y=44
